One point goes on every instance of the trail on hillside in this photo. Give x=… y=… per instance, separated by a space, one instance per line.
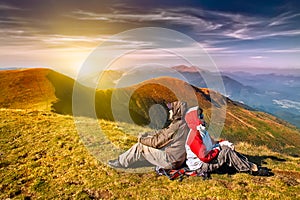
x=243 y=122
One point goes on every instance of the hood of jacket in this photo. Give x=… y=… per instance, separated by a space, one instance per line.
x=192 y=119
x=179 y=109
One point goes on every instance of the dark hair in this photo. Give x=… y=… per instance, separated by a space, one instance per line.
x=200 y=111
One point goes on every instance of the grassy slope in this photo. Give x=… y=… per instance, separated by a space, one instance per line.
x=41 y=156
x=241 y=124
x=26 y=89
x=43 y=89
x=260 y=129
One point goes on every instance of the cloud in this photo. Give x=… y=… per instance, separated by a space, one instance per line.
x=258 y=57
x=228 y=34
x=242 y=26
x=8 y=7
x=156 y=15
x=288 y=104
x=290 y=50
x=283 y=18
x=204 y=22
x=209 y=27
x=7 y=20
x=92 y=41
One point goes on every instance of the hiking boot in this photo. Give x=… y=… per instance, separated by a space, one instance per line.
x=262 y=172
x=253 y=167
x=159 y=171
x=115 y=163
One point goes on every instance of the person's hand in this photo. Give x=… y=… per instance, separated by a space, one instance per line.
x=144 y=134
x=227 y=143
x=200 y=127
x=217 y=147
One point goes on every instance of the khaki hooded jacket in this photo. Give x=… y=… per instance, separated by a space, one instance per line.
x=171 y=139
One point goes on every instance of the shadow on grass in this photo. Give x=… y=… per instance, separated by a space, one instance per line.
x=259 y=160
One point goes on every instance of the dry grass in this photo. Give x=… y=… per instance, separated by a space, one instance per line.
x=26 y=89
x=42 y=156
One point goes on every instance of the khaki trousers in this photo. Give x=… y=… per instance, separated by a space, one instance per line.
x=143 y=154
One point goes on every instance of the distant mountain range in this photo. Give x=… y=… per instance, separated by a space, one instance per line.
x=272 y=93
x=45 y=89
x=275 y=94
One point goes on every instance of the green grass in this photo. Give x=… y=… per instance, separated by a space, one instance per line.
x=42 y=156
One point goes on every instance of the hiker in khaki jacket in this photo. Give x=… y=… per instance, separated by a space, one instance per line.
x=164 y=148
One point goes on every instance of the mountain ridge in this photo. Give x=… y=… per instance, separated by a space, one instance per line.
x=241 y=124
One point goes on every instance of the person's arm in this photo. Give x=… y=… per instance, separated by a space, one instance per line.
x=210 y=155
x=199 y=149
x=207 y=156
x=161 y=138
x=203 y=128
x=147 y=134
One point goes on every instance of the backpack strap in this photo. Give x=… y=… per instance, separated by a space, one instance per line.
x=175 y=173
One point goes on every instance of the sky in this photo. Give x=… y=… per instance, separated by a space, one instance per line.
x=238 y=35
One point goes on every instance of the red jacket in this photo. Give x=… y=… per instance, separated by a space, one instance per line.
x=195 y=140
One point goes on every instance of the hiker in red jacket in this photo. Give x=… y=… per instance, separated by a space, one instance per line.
x=206 y=155
x=164 y=148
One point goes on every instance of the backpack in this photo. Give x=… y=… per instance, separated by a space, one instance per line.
x=172 y=174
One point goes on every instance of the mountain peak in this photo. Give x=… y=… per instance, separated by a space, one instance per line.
x=184 y=68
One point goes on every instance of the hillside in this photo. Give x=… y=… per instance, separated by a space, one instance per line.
x=25 y=89
x=42 y=157
x=242 y=123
